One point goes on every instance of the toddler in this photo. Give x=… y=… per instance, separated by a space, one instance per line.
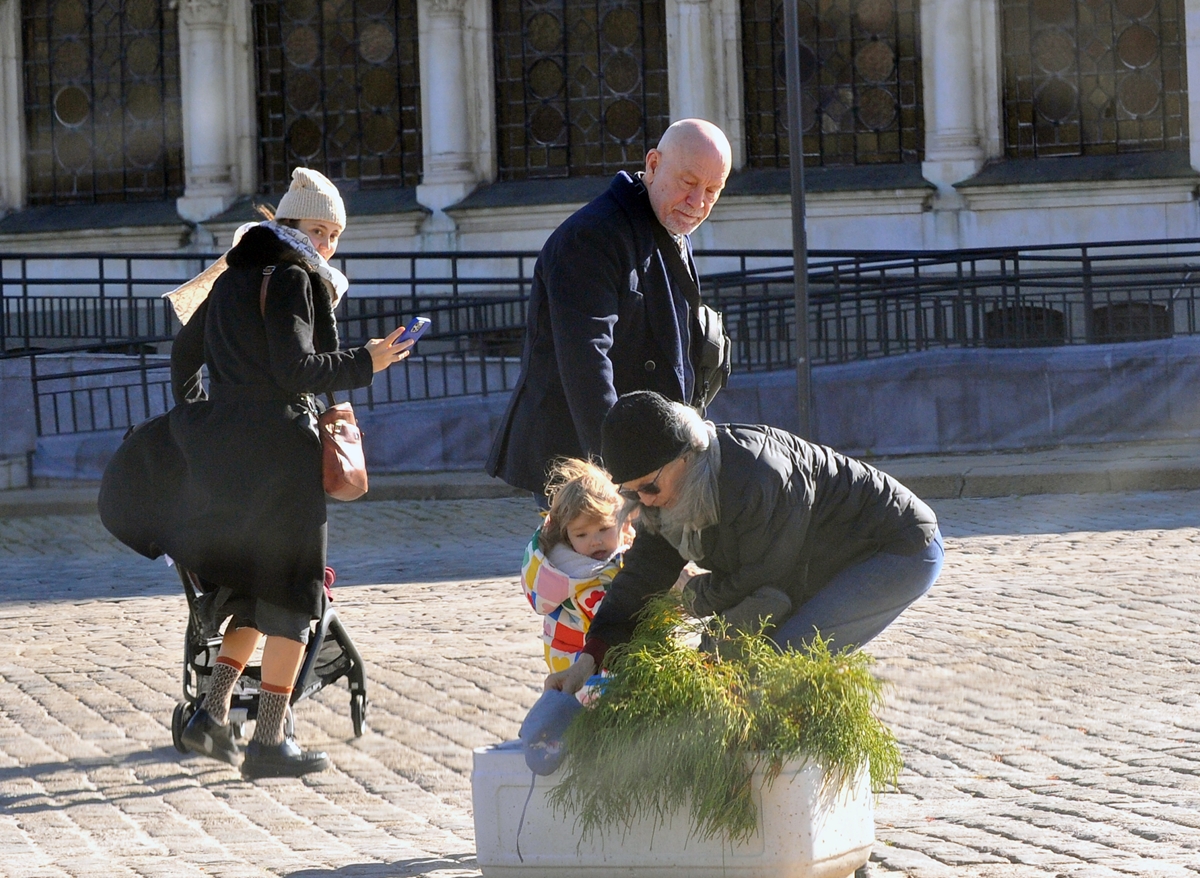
x=573 y=556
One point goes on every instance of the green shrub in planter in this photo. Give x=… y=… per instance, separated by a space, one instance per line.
x=676 y=727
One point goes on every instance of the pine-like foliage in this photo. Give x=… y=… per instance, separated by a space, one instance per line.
x=677 y=728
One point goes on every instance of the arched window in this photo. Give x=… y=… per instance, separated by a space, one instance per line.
x=581 y=85
x=102 y=104
x=861 y=77
x=1093 y=77
x=338 y=90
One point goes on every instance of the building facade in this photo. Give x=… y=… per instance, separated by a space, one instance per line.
x=154 y=125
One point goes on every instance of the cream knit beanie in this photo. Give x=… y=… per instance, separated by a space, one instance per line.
x=312 y=196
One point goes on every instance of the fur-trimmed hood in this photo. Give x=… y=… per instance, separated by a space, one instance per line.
x=260 y=247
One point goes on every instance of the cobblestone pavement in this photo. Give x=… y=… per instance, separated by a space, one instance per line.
x=1046 y=696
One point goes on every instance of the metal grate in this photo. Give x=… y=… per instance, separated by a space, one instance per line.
x=860 y=67
x=102 y=104
x=338 y=90
x=581 y=85
x=1093 y=78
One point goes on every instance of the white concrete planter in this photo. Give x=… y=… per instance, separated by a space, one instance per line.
x=804 y=831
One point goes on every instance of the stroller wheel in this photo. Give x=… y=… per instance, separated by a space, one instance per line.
x=179 y=719
x=358 y=713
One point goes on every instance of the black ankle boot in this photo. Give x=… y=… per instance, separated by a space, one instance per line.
x=203 y=735
x=281 y=760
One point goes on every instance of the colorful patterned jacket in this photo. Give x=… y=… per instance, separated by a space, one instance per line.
x=568 y=604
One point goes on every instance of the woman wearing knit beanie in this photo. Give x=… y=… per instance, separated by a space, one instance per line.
x=794 y=536
x=239 y=489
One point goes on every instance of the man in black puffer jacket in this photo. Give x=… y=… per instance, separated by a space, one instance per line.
x=786 y=529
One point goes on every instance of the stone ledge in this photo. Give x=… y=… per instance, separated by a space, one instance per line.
x=745 y=183
x=360 y=203
x=1084 y=169
x=856 y=178
x=527 y=193
x=1067 y=470
x=1085 y=470
x=83 y=217
x=62 y=497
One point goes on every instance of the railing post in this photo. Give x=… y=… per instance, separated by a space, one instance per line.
x=102 y=328
x=1089 y=310
x=794 y=93
x=130 y=307
x=37 y=403
x=145 y=382
x=918 y=317
x=960 y=305
x=3 y=310
x=25 y=302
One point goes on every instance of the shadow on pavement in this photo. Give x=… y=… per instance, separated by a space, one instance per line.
x=88 y=794
x=398 y=869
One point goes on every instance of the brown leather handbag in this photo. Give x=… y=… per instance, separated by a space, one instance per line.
x=343 y=464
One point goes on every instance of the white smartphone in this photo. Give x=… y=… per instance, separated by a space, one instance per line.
x=415 y=329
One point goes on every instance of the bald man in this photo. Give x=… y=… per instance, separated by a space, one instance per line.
x=613 y=306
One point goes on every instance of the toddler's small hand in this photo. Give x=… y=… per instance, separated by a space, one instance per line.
x=572 y=679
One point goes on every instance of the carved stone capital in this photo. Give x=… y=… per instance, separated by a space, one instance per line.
x=204 y=12
x=445 y=7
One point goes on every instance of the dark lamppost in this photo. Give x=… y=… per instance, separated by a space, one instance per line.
x=791 y=39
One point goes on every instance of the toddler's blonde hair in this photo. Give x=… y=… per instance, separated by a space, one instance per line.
x=576 y=487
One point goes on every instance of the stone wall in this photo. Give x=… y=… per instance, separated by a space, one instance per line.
x=950 y=401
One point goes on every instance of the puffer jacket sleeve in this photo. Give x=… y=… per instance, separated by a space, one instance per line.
x=295 y=364
x=768 y=525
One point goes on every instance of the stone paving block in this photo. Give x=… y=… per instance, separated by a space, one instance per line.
x=1045 y=696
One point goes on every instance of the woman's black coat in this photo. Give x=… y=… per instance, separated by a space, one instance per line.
x=230 y=485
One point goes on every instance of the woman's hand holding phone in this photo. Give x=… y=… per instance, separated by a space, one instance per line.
x=416 y=328
x=388 y=351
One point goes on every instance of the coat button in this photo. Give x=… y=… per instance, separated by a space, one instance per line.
x=650 y=366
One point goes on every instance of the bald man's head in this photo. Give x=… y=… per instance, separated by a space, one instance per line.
x=686 y=173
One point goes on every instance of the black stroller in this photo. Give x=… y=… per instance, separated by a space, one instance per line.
x=330 y=655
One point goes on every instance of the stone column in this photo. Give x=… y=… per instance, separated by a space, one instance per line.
x=446 y=123
x=954 y=148
x=704 y=65
x=12 y=109
x=1191 y=18
x=690 y=56
x=209 y=185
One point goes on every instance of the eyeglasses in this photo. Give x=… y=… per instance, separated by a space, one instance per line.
x=650 y=489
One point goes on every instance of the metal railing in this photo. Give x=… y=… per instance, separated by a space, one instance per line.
x=865 y=305
x=97 y=299
x=108 y=343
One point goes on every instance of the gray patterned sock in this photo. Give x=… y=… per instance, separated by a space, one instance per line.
x=272 y=711
x=224 y=677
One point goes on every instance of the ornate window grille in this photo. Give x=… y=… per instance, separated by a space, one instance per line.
x=102 y=105
x=338 y=90
x=1093 y=77
x=860 y=69
x=581 y=85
